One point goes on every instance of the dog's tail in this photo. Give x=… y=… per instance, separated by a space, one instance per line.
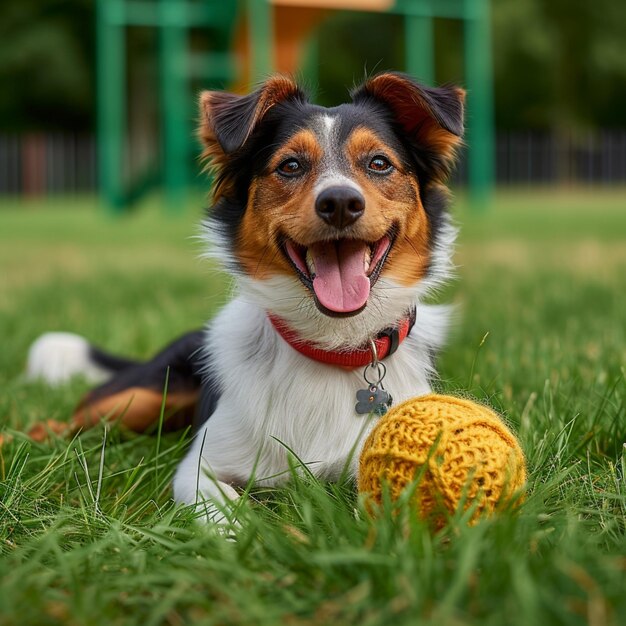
x=137 y=393
x=55 y=358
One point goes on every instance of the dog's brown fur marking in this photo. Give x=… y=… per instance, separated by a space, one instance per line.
x=137 y=407
x=279 y=206
x=286 y=206
x=413 y=111
x=212 y=105
x=392 y=199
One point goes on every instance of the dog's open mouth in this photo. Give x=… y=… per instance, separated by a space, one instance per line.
x=340 y=273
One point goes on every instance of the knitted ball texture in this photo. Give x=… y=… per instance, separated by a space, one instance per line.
x=476 y=456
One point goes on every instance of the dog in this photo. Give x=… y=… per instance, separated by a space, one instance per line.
x=334 y=224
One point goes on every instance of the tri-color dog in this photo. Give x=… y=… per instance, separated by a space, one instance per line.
x=334 y=224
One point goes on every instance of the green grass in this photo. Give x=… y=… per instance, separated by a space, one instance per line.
x=541 y=335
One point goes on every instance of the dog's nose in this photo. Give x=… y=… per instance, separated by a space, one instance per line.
x=340 y=206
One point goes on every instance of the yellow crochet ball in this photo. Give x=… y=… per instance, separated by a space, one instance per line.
x=476 y=458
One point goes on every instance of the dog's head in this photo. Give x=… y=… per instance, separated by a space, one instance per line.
x=333 y=218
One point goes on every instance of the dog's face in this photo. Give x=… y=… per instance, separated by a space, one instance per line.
x=321 y=211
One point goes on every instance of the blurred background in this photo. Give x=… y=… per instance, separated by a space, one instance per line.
x=99 y=95
x=101 y=192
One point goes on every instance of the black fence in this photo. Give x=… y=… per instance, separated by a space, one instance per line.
x=48 y=164
x=526 y=158
x=531 y=158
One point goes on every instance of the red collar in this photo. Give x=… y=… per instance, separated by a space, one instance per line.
x=387 y=343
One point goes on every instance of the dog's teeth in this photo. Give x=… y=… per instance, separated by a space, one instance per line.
x=367 y=259
x=310 y=263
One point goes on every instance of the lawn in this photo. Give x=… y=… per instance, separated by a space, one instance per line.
x=89 y=534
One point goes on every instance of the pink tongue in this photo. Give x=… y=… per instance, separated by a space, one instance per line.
x=340 y=282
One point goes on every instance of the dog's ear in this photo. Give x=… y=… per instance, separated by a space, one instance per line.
x=227 y=120
x=431 y=118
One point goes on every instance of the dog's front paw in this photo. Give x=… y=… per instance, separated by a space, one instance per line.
x=213 y=501
x=219 y=514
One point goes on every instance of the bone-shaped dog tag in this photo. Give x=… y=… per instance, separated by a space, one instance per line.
x=374 y=399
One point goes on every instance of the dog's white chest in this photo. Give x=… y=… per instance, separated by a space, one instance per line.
x=275 y=401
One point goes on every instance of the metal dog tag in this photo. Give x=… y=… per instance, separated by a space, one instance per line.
x=374 y=399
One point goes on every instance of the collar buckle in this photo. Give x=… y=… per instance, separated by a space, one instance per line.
x=394 y=339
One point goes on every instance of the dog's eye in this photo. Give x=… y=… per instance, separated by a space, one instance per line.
x=290 y=167
x=380 y=165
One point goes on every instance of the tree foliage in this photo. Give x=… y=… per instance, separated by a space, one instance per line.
x=557 y=64
x=46 y=64
x=560 y=63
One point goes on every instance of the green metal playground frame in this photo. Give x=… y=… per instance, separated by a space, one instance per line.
x=174 y=19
